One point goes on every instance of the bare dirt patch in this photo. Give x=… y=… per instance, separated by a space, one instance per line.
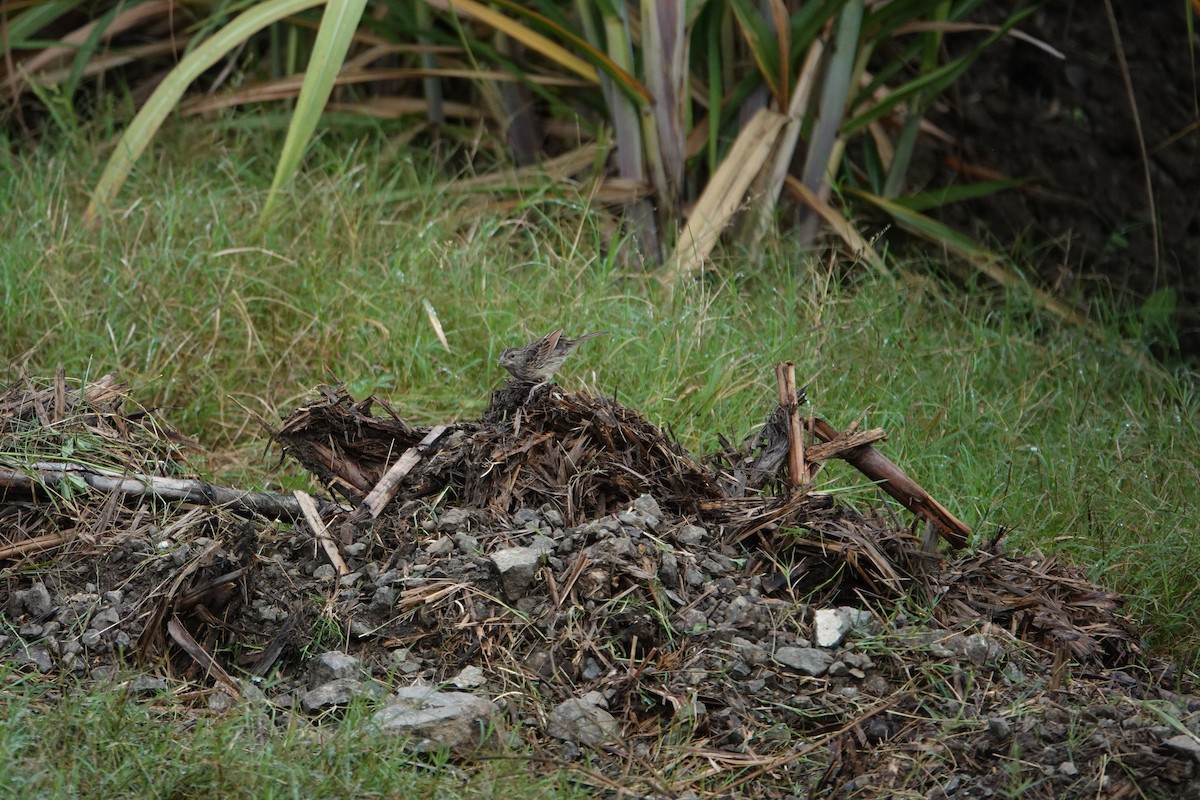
x=561 y=578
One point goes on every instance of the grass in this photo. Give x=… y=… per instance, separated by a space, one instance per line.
x=1008 y=418
x=108 y=743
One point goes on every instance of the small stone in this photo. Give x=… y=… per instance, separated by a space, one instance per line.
x=980 y=649
x=104 y=619
x=857 y=660
x=647 y=506
x=454 y=519
x=999 y=729
x=338 y=693
x=433 y=720
x=753 y=653
x=517 y=566
x=831 y=627
x=220 y=701
x=35 y=600
x=39 y=657
x=325 y=572
x=1184 y=746
x=333 y=665
x=355 y=550
x=384 y=597
x=468 y=678
x=440 y=547
x=577 y=720
x=691 y=535
x=1068 y=768
x=527 y=519
x=806 y=660
x=553 y=517
x=466 y=543
x=837 y=669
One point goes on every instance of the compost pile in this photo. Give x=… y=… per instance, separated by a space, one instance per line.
x=561 y=577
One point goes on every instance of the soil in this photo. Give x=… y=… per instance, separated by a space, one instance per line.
x=1085 y=221
x=565 y=573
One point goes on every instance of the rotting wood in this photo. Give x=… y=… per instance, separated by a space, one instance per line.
x=196 y=492
x=895 y=482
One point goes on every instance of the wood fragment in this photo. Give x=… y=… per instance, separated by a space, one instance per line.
x=182 y=637
x=387 y=486
x=785 y=375
x=313 y=518
x=896 y=483
x=197 y=492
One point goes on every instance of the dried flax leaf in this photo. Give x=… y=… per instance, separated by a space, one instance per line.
x=725 y=193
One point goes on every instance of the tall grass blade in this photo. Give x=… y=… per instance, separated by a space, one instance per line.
x=338 y=25
x=725 y=192
x=149 y=119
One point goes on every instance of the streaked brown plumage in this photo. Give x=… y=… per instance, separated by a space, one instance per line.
x=537 y=361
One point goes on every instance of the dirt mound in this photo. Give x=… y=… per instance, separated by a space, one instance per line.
x=564 y=576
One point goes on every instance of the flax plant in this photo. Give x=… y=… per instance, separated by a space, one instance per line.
x=684 y=114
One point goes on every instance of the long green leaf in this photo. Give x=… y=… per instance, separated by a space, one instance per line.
x=338 y=26
x=141 y=130
x=34 y=20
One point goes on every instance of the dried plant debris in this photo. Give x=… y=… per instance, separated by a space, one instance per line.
x=562 y=569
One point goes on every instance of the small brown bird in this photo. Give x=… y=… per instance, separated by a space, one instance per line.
x=537 y=361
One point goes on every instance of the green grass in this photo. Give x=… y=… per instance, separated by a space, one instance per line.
x=93 y=743
x=1005 y=416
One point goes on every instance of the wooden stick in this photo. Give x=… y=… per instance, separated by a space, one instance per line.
x=133 y=484
x=895 y=482
x=313 y=518
x=389 y=484
x=785 y=376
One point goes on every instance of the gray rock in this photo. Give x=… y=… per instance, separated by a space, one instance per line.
x=383 y=597
x=553 y=517
x=38 y=656
x=647 y=506
x=999 y=729
x=35 y=600
x=806 y=660
x=433 y=720
x=454 y=519
x=1184 y=746
x=331 y=666
x=517 y=566
x=355 y=550
x=145 y=685
x=748 y=650
x=857 y=660
x=577 y=720
x=980 y=649
x=104 y=619
x=468 y=678
x=830 y=627
x=668 y=570
x=1068 y=768
x=833 y=625
x=691 y=535
x=338 y=693
x=325 y=572
x=466 y=543
x=440 y=547
x=527 y=519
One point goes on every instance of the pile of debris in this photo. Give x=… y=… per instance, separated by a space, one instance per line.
x=562 y=571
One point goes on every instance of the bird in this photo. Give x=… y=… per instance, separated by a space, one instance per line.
x=537 y=361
